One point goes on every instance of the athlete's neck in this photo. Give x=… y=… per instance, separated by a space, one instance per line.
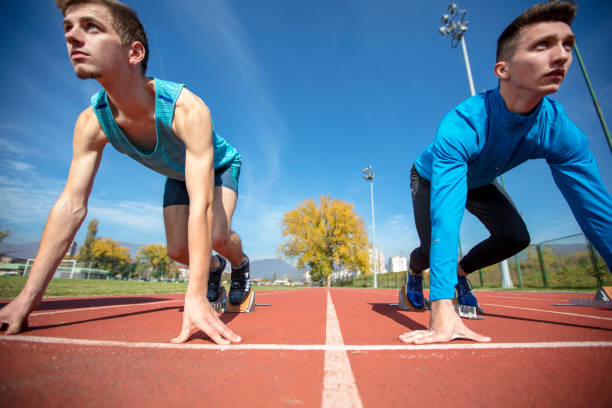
x=132 y=95
x=519 y=100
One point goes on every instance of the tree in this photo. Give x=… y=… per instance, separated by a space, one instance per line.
x=154 y=256
x=85 y=253
x=109 y=255
x=4 y=234
x=325 y=238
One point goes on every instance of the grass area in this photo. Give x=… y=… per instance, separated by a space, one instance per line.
x=10 y=286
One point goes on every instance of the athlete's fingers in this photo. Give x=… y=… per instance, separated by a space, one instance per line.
x=472 y=335
x=410 y=337
x=13 y=328
x=227 y=333
x=184 y=334
x=213 y=333
x=223 y=331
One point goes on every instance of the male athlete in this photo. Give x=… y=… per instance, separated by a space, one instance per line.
x=168 y=129
x=484 y=137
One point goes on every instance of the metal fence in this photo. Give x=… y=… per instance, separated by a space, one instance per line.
x=568 y=262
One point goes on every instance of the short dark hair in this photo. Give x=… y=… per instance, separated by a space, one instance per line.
x=563 y=11
x=125 y=23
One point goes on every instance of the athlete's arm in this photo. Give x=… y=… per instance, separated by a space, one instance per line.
x=576 y=174
x=447 y=202
x=64 y=219
x=193 y=124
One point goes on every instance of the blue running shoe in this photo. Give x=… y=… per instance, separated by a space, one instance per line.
x=214 y=281
x=464 y=293
x=414 y=289
x=241 y=283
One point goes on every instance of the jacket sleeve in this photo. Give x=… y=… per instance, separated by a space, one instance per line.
x=450 y=152
x=576 y=174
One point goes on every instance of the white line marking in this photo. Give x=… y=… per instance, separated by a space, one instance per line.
x=549 y=311
x=339 y=388
x=305 y=347
x=521 y=298
x=102 y=307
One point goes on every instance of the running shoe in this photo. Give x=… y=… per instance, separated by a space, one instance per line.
x=214 y=280
x=464 y=293
x=414 y=289
x=241 y=283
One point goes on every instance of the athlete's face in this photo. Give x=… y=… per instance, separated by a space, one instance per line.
x=542 y=57
x=93 y=44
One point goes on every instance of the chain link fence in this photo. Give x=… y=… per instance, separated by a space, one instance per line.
x=562 y=263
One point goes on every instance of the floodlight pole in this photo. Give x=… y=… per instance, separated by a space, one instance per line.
x=454 y=27
x=467 y=66
x=592 y=92
x=368 y=174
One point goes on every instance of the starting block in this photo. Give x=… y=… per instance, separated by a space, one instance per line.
x=405 y=304
x=603 y=299
x=247 y=305
x=467 y=312
x=219 y=304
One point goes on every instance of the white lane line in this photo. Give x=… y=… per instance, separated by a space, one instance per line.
x=549 y=311
x=103 y=307
x=305 y=347
x=522 y=298
x=339 y=388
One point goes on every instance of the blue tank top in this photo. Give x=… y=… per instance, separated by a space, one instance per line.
x=168 y=157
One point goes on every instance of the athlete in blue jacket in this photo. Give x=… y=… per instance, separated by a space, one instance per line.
x=482 y=138
x=167 y=128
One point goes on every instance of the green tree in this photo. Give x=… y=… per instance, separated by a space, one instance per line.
x=325 y=238
x=4 y=234
x=109 y=255
x=86 y=252
x=154 y=256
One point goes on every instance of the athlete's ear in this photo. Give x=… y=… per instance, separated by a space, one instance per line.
x=137 y=53
x=501 y=70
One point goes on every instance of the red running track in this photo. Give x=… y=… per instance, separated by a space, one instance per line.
x=309 y=349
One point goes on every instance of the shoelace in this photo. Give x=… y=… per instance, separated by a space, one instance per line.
x=464 y=287
x=415 y=282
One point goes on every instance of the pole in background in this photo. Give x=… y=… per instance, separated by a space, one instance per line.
x=454 y=26
x=368 y=174
x=592 y=92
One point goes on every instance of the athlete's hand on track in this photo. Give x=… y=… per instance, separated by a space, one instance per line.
x=444 y=325
x=14 y=316
x=199 y=314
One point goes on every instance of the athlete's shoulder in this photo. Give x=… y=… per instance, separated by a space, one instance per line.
x=565 y=140
x=190 y=103
x=88 y=128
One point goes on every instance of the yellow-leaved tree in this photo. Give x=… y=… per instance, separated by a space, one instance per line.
x=325 y=238
x=108 y=254
x=155 y=257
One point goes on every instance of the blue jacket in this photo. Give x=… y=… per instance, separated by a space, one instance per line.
x=479 y=140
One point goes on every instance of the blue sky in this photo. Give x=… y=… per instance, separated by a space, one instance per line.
x=309 y=93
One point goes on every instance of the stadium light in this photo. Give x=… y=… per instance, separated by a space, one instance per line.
x=368 y=175
x=455 y=25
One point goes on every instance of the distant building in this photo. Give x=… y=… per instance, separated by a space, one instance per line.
x=342 y=274
x=398 y=264
x=380 y=261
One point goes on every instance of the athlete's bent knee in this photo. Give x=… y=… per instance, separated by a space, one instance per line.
x=179 y=253
x=220 y=240
x=517 y=240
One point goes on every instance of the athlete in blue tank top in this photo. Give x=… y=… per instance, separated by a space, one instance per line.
x=165 y=127
x=484 y=137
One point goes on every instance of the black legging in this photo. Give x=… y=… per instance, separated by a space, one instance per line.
x=493 y=208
